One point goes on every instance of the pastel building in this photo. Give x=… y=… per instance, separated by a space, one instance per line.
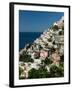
x=43 y=54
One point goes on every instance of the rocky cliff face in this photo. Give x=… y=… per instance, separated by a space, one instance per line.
x=49 y=46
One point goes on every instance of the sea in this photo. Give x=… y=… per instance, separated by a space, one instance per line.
x=27 y=38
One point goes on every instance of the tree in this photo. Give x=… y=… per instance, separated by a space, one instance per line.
x=37 y=55
x=62 y=58
x=40 y=47
x=25 y=58
x=61 y=69
x=40 y=73
x=33 y=73
x=28 y=46
x=20 y=71
x=56 y=71
x=55 y=27
x=54 y=42
x=52 y=50
x=61 y=32
x=50 y=39
x=43 y=73
x=47 y=61
x=63 y=27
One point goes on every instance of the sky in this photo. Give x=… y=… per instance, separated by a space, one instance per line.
x=37 y=21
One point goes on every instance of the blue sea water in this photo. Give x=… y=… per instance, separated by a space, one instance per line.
x=27 y=37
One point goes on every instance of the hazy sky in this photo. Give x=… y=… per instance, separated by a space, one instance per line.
x=36 y=21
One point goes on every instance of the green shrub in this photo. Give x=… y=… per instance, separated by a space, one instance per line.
x=37 y=55
x=50 y=39
x=61 y=33
x=28 y=46
x=47 y=61
x=62 y=58
x=55 y=27
x=40 y=73
x=56 y=71
x=20 y=71
x=26 y=58
x=62 y=27
x=40 y=47
x=43 y=73
x=54 y=42
x=52 y=50
x=33 y=73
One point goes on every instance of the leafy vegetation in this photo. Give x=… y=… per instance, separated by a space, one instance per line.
x=50 y=39
x=43 y=73
x=28 y=46
x=40 y=73
x=56 y=71
x=62 y=58
x=26 y=58
x=54 y=42
x=40 y=47
x=20 y=71
x=47 y=61
x=62 y=27
x=55 y=27
x=37 y=55
x=61 y=32
x=52 y=50
x=33 y=73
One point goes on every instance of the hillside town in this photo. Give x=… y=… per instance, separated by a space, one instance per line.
x=44 y=58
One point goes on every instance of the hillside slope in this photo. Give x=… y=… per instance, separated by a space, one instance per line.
x=44 y=58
